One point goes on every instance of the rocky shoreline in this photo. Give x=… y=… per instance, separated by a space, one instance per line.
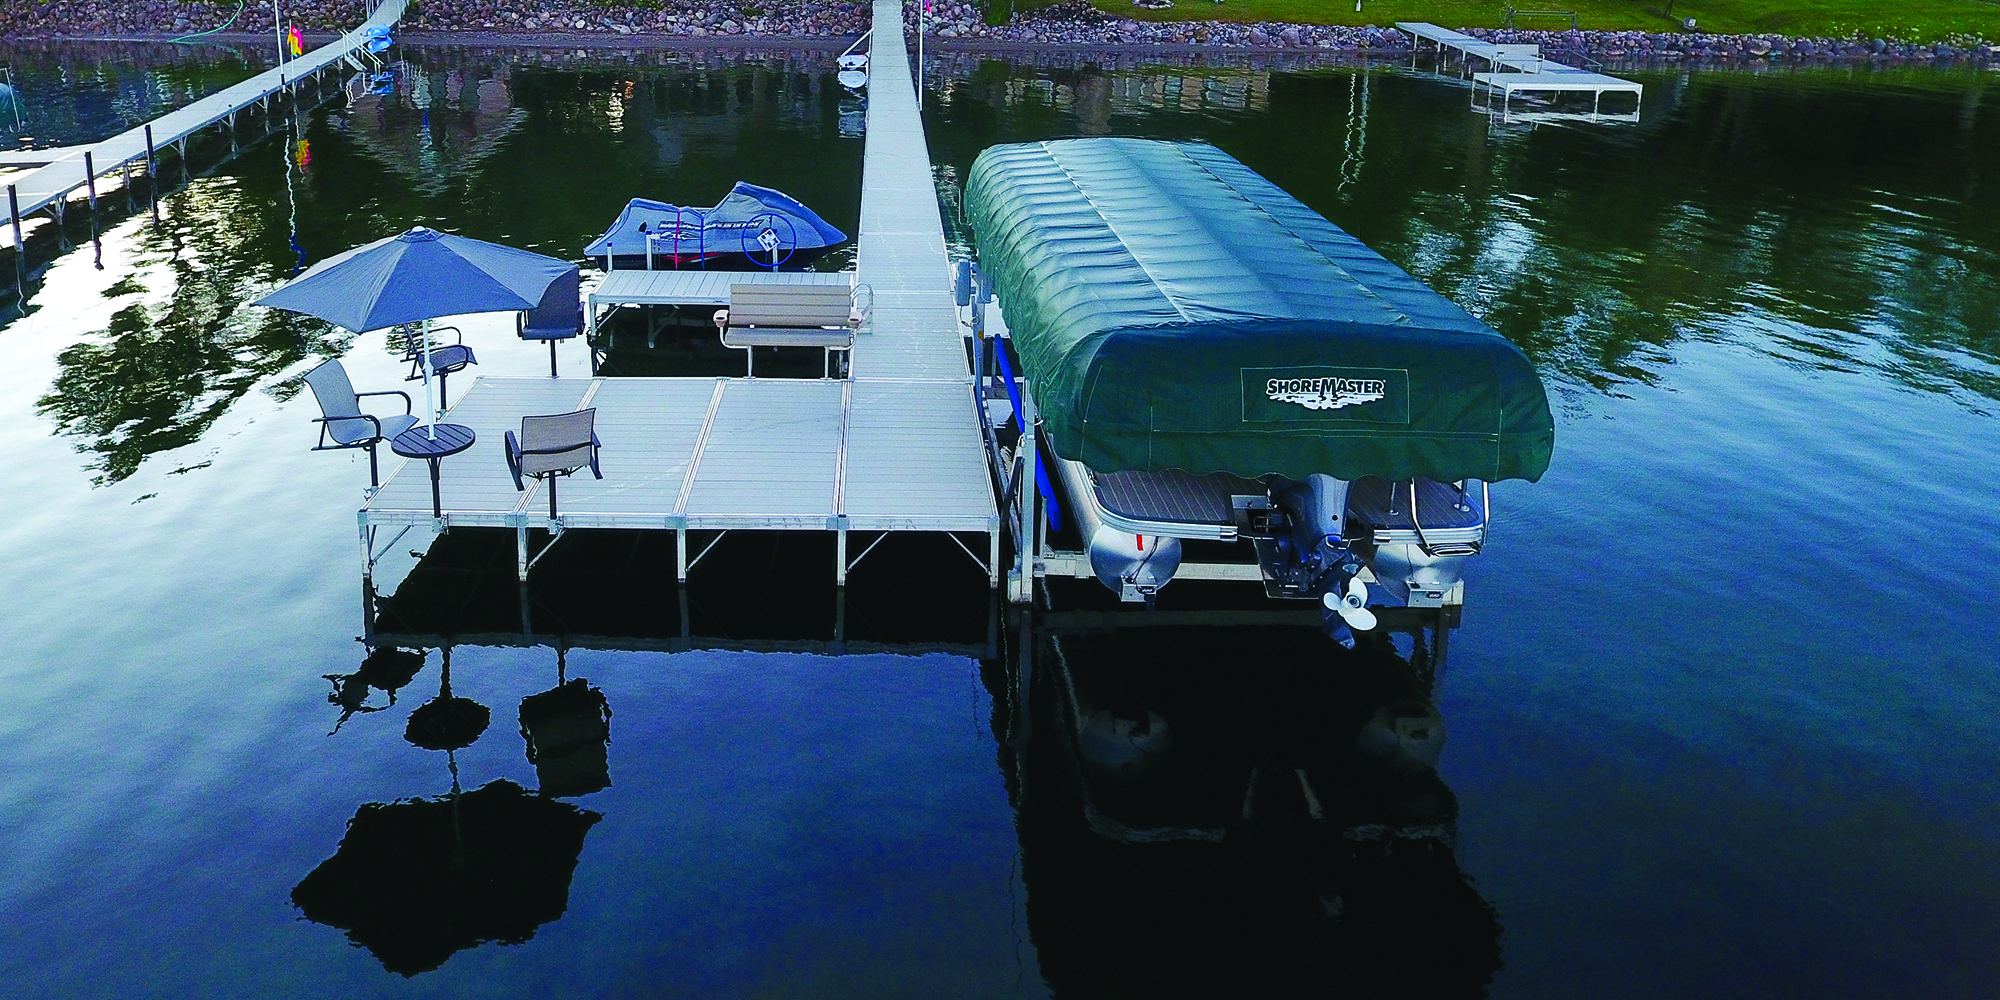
x=1068 y=24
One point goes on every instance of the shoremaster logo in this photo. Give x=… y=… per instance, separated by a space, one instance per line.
x=1326 y=393
x=1321 y=394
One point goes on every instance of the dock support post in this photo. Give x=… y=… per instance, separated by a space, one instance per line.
x=840 y=622
x=367 y=551
x=993 y=558
x=90 y=179
x=149 y=152
x=521 y=551
x=1019 y=723
x=840 y=557
x=1024 y=587
x=14 y=209
x=681 y=555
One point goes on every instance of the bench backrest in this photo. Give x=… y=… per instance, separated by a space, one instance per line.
x=789 y=305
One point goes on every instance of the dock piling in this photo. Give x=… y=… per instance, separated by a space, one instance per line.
x=90 y=179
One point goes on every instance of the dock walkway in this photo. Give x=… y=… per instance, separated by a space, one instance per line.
x=896 y=446
x=50 y=185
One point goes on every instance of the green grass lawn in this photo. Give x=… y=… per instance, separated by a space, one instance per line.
x=1907 y=19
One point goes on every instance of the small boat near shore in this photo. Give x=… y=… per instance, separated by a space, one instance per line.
x=751 y=229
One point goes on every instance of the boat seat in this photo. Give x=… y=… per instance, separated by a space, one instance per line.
x=764 y=315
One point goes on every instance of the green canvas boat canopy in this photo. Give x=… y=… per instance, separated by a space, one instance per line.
x=1173 y=309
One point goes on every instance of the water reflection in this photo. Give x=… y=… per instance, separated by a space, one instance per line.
x=1828 y=222
x=568 y=734
x=418 y=880
x=1239 y=812
x=446 y=722
x=179 y=350
x=76 y=92
x=436 y=124
x=387 y=670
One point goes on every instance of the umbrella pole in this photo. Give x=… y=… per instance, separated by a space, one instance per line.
x=430 y=398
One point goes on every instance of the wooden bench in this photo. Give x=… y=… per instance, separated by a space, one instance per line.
x=819 y=316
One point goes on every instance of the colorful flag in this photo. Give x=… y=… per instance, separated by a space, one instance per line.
x=296 y=40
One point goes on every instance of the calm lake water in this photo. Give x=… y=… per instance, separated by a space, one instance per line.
x=1722 y=713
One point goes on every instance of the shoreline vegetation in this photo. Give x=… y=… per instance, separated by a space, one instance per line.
x=1944 y=32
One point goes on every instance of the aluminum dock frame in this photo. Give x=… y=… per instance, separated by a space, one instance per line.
x=895 y=446
x=1513 y=69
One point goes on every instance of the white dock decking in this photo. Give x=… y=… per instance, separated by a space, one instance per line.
x=895 y=447
x=55 y=179
x=1516 y=70
x=691 y=288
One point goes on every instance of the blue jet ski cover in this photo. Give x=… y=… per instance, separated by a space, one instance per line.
x=724 y=228
x=1176 y=310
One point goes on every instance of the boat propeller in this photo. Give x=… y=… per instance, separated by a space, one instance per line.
x=1352 y=607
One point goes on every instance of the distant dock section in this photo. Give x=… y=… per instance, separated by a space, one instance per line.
x=1521 y=69
x=60 y=173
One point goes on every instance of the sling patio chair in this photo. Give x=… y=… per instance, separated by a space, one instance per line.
x=344 y=424
x=445 y=358
x=553 y=445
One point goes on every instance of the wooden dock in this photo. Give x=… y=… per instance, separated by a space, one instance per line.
x=73 y=168
x=896 y=446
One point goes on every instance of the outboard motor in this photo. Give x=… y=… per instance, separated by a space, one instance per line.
x=1318 y=555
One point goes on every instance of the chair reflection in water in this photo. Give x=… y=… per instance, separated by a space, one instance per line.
x=342 y=421
x=567 y=729
x=554 y=445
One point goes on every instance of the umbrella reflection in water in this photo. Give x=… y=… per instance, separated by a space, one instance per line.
x=417 y=880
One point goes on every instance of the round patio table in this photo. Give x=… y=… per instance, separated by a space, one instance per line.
x=418 y=443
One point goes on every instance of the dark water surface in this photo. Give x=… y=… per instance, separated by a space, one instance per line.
x=64 y=94
x=1722 y=713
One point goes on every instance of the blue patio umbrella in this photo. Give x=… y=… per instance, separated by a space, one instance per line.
x=415 y=277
